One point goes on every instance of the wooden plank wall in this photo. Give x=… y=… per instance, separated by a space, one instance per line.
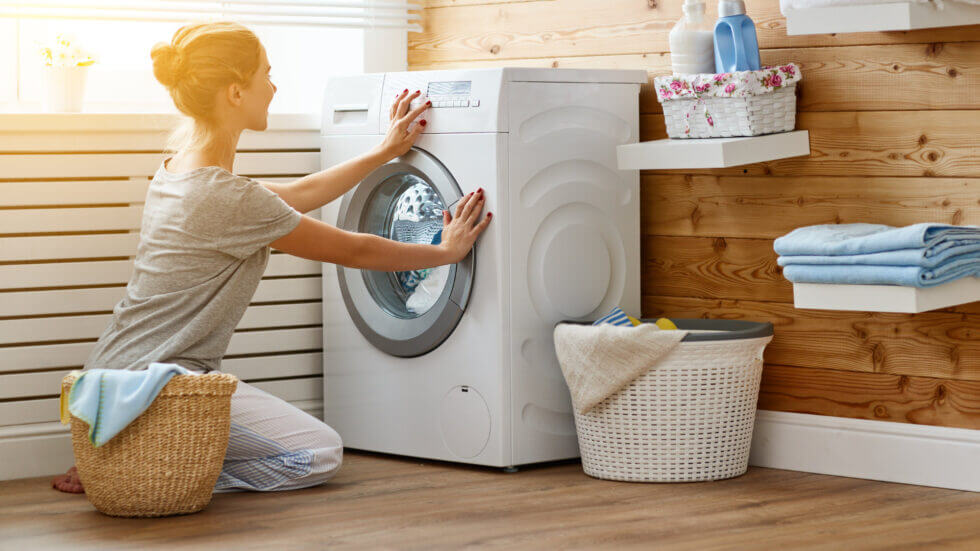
x=893 y=120
x=70 y=211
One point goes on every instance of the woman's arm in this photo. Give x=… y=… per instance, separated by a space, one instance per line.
x=313 y=191
x=320 y=241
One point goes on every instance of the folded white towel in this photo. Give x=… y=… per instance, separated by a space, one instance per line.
x=599 y=360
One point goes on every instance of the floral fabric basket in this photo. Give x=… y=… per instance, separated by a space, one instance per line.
x=744 y=103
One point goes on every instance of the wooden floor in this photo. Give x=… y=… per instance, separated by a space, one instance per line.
x=391 y=502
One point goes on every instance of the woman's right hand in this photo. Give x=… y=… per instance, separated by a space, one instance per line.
x=399 y=138
x=459 y=232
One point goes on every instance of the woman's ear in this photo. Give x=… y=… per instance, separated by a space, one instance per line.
x=235 y=94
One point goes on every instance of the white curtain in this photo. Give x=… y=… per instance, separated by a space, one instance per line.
x=362 y=14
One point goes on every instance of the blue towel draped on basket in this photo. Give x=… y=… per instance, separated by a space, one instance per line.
x=110 y=399
x=920 y=255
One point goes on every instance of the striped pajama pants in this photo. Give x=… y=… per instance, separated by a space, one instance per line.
x=274 y=445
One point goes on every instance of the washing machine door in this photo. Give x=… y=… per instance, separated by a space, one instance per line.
x=405 y=313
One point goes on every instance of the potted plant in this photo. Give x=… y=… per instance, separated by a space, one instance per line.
x=65 y=70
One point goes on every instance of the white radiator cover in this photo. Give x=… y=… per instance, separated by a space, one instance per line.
x=71 y=198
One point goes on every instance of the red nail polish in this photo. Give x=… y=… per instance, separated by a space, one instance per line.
x=405 y=90
x=489 y=215
x=428 y=103
x=422 y=122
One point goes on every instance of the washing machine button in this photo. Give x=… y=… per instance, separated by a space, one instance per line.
x=474 y=103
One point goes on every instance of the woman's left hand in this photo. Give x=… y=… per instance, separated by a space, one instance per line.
x=400 y=138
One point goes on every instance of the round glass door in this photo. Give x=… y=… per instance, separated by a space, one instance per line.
x=406 y=208
x=411 y=312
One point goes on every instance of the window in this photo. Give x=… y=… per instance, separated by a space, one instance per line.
x=8 y=61
x=121 y=80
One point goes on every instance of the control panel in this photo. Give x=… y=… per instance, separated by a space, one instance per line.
x=455 y=93
x=463 y=100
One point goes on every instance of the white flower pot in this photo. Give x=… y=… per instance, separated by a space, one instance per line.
x=64 y=89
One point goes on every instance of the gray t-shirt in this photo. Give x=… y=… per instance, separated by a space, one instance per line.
x=203 y=249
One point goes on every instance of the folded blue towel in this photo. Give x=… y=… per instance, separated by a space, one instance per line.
x=110 y=399
x=850 y=239
x=901 y=257
x=909 y=276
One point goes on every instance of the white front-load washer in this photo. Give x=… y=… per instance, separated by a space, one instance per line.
x=457 y=363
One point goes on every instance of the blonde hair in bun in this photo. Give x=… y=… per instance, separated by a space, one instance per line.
x=200 y=60
x=166 y=63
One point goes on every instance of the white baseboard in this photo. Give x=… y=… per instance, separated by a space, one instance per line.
x=37 y=449
x=877 y=450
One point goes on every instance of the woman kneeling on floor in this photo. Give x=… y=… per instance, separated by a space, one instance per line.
x=204 y=245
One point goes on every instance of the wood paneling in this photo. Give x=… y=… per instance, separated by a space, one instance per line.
x=513 y=30
x=716 y=206
x=713 y=267
x=878 y=396
x=869 y=143
x=898 y=77
x=893 y=120
x=940 y=344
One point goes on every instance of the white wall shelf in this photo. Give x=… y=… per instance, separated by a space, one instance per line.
x=886 y=298
x=893 y=16
x=712 y=152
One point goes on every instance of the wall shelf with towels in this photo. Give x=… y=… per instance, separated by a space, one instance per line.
x=892 y=16
x=886 y=298
x=712 y=152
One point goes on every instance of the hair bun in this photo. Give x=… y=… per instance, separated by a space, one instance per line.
x=166 y=63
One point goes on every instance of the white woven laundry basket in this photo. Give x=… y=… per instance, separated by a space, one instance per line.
x=746 y=103
x=689 y=418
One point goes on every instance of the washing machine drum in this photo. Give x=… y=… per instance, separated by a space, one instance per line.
x=412 y=312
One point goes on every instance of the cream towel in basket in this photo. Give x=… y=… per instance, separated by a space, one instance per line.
x=599 y=360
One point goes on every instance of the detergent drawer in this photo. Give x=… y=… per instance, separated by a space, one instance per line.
x=352 y=104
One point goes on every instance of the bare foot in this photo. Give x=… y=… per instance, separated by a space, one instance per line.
x=68 y=482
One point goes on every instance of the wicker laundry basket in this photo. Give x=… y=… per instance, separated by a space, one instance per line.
x=745 y=103
x=688 y=419
x=165 y=462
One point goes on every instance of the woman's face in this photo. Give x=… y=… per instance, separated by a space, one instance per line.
x=257 y=96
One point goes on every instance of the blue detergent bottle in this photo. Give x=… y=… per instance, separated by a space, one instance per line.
x=736 y=45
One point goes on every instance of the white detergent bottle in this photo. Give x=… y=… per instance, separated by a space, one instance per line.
x=692 y=42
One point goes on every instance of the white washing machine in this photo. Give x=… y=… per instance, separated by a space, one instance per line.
x=457 y=363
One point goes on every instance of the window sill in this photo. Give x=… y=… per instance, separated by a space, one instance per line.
x=131 y=122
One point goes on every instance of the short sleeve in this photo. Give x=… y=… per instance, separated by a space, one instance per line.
x=258 y=218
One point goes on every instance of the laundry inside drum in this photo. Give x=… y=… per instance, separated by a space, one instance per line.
x=412 y=213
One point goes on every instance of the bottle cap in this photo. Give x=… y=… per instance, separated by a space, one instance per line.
x=730 y=7
x=694 y=6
